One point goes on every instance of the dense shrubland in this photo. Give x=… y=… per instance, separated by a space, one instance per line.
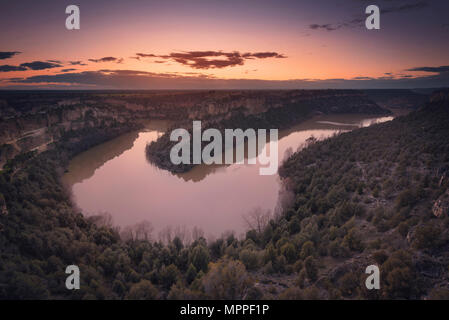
x=364 y=197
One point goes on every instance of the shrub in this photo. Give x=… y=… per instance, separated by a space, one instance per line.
x=353 y=241
x=143 y=290
x=380 y=256
x=200 y=258
x=191 y=274
x=250 y=259
x=226 y=279
x=403 y=229
x=289 y=252
x=427 y=237
x=311 y=268
x=349 y=284
x=307 y=249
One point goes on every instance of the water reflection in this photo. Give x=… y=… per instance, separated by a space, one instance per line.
x=352 y=122
x=116 y=177
x=83 y=166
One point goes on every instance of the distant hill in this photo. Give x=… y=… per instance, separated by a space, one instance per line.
x=399 y=100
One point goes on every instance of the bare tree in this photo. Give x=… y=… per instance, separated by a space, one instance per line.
x=139 y=231
x=287 y=154
x=183 y=234
x=143 y=230
x=166 y=234
x=127 y=234
x=197 y=233
x=286 y=199
x=257 y=219
x=102 y=219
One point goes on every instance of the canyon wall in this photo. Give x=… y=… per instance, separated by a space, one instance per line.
x=33 y=120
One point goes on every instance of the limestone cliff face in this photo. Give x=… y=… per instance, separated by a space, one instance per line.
x=36 y=130
x=35 y=119
x=221 y=105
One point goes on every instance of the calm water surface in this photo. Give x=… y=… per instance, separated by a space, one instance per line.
x=115 y=177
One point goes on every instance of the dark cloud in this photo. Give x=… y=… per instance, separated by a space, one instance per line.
x=77 y=63
x=40 y=65
x=68 y=70
x=362 y=78
x=8 y=54
x=202 y=59
x=35 y=65
x=135 y=79
x=405 y=7
x=210 y=59
x=114 y=79
x=328 y=26
x=263 y=55
x=7 y=68
x=107 y=59
x=144 y=55
x=440 y=69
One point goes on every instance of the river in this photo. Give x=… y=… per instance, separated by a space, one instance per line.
x=115 y=177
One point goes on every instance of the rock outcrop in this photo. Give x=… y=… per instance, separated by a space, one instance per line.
x=441 y=206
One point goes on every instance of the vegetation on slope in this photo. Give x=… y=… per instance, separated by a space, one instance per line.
x=368 y=196
x=364 y=197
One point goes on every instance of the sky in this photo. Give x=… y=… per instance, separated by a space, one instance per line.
x=211 y=44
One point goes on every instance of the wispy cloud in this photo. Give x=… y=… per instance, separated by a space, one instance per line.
x=144 y=55
x=68 y=70
x=440 y=69
x=405 y=7
x=351 y=23
x=107 y=59
x=77 y=63
x=327 y=26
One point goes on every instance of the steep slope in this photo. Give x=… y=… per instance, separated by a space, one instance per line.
x=377 y=195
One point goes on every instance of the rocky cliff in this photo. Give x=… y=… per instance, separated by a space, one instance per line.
x=33 y=120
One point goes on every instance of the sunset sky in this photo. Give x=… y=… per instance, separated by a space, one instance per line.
x=138 y=44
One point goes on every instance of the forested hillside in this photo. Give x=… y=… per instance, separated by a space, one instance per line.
x=376 y=195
